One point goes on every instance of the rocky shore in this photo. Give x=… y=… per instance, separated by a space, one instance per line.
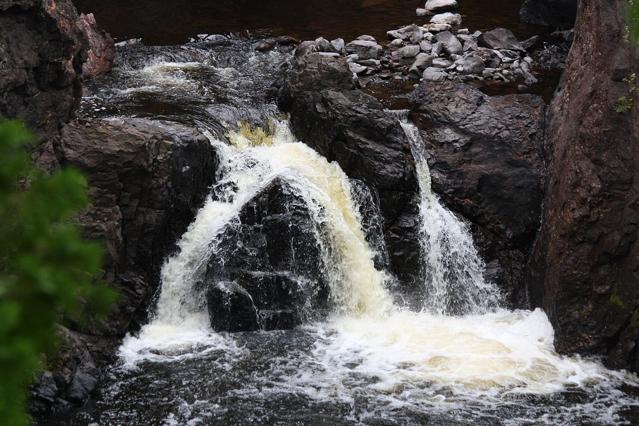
x=442 y=49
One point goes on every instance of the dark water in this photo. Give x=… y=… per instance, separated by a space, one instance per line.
x=278 y=378
x=175 y=21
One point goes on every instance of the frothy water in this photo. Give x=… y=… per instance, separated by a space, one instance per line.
x=460 y=359
x=452 y=270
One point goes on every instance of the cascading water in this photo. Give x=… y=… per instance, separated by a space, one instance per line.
x=461 y=359
x=452 y=270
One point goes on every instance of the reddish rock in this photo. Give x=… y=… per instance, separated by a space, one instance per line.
x=44 y=49
x=99 y=48
x=585 y=267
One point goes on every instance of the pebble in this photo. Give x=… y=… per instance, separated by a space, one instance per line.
x=435 y=6
x=433 y=74
x=452 y=19
x=409 y=51
x=356 y=68
x=451 y=44
x=338 y=44
x=441 y=63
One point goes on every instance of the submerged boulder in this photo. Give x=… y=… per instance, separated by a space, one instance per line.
x=267 y=269
x=485 y=158
x=350 y=127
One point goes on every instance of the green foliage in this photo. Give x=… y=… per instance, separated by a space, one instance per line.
x=46 y=269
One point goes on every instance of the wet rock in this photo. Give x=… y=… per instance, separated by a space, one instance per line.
x=421 y=12
x=447 y=18
x=350 y=127
x=274 y=260
x=449 y=42
x=485 y=156
x=365 y=49
x=73 y=376
x=500 y=38
x=584 y=267
x=231 y=308
x=551 y=13
x=436 y=6
x=81 y=386
x=265 y=45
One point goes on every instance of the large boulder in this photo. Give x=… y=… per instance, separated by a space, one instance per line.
x=147 y=179
x=267 y=269
x=585 y=268
x=44 y=46
x=552 y=13
x=346 y=125
x=486 y=162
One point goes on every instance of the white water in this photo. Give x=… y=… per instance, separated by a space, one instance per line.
x=452 y=271
x=408 y=358
x=356 y=287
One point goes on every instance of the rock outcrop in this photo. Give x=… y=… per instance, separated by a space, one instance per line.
x=552 y=13
x=146 y=181
x=348 y=126
x=485 y=158
x=267 y=270
x=585 y=268
x=44 y=47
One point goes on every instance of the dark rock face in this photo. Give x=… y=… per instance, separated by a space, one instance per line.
x=146 y=181
x=348 y=126
x=39 y=63
x=552 y=13
x=43 y=46
x=267 y=271
x=585 y=267
x=485 y=156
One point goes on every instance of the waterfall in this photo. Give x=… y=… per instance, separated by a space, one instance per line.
x=425 y=361
x=452 y=271
x=248 y=164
